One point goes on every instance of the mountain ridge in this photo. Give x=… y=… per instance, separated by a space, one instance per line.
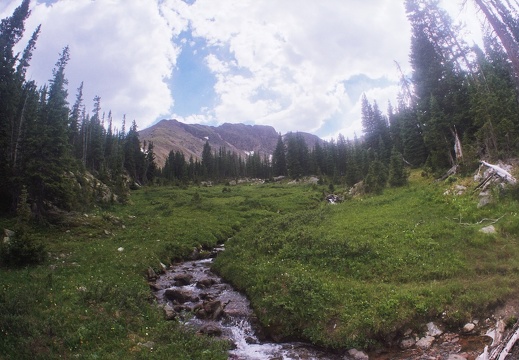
x=242 y=139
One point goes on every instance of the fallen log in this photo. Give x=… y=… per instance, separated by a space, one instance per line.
x=501 y=351
x=502 y=173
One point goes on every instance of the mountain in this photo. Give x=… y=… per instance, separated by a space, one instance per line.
x=168 y=135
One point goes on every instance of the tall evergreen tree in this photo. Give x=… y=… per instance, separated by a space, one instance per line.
x=279 y=162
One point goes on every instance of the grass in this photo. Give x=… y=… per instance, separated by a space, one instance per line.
x=339 y=276
x=92 y=301
x=361 y=271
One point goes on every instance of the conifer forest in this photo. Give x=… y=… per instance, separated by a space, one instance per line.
x=456 y=94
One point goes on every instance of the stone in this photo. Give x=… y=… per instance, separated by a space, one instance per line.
x=210 y=330
x=488 y=230
x=205 y=283
x=484 y=201
x=425 y=342
x=151 y=274
x=169 y=312
x=460 y=189
x=147 y=344
x=407 y=343
x=433 y=330
x=468 y=328
x=358 y=355
x=9 y=233
x=180 y=296
x=183 y=279
x=456 y=357
x=209 y=310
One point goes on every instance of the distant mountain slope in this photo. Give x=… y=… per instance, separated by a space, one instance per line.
x=242 y=139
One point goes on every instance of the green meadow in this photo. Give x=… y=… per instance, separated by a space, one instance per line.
x=351 y=274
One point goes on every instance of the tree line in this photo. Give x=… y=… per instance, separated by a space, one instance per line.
x=46 y=147
x=459 y=104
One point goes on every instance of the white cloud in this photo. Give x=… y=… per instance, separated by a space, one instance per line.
x=122 y=50
x=281 y=63
x=285 y=62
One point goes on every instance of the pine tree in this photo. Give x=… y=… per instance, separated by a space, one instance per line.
x=279 y=162
x=49 y=160
x=397 y=172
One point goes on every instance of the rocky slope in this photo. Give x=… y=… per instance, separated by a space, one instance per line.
x=168 y=135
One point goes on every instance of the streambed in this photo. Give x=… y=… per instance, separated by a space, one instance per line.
x=193 y=294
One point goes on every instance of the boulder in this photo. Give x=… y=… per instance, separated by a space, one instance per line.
x=180 y=296
x=169 y=312
x=212 y=310
x=205 y=283
x=183 y=279
x=210 y=330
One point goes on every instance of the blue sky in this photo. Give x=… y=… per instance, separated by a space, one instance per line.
x=297 y=66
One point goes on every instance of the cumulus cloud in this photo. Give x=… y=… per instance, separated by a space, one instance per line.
x=285 y=63
x=295 y=65
x=122 y=50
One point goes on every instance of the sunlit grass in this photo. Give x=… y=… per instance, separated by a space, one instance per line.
x=337 y=275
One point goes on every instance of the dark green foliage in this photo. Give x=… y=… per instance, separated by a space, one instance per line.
x=22 y=249
x=376 y=179
x=397 y=172
x=279 y=162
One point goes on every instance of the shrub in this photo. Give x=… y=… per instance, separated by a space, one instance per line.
x=22 y=249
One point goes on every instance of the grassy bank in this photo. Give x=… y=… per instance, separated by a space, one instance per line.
x=358 y=272
x=92 y=301
x=337 y=275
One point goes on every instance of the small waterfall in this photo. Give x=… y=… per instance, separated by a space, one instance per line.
x=194 y=288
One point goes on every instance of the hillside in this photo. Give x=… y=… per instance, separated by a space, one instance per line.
x=168 y=135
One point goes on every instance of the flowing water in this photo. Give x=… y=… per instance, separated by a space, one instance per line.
x=203 y=301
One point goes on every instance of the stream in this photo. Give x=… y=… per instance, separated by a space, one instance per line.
x=193 y=294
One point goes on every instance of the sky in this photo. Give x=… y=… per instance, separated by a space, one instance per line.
x=291 y=64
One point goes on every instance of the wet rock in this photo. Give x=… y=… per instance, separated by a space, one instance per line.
x=250 y=340
x=407 y=343
x=209 y=310
x=468 y=328
x=358 y=355
x=155 y=286
x=205 y=283
x=181 y=308
x=180 y=296
x=183 y=279
x=210 y=330
x=425 y=343
x=169 y=312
